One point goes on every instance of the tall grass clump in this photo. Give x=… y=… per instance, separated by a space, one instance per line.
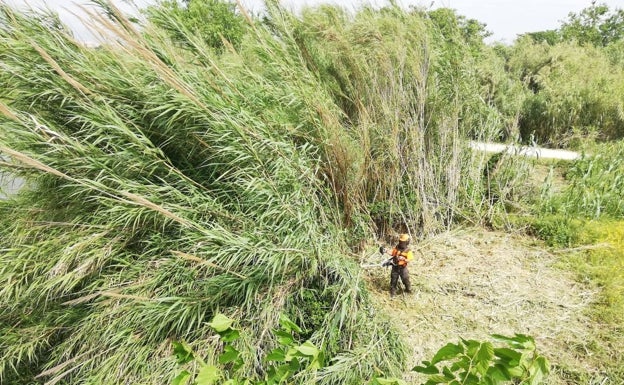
x=595 y=187
x=592 y=190
x=162 y=189
x=409 y=97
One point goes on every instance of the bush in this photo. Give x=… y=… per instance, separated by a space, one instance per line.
x=558 y=230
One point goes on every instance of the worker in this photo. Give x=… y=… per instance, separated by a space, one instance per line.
x=401 y=255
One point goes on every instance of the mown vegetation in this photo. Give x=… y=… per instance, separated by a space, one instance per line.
x=187 y=168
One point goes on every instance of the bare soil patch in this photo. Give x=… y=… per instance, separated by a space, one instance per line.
x=474 y=283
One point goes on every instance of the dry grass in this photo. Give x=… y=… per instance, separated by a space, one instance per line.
x=473 y=283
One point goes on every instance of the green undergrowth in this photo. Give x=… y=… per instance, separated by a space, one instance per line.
x=511 y=360
x=601 y=266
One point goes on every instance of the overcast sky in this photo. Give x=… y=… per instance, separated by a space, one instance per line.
x=504 y=18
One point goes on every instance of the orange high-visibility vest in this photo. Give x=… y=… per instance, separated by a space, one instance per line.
x=407 y=254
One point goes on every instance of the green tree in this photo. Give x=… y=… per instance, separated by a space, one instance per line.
x=596 y=25
x=454 y=26
x=550 y=36
x=215 y=21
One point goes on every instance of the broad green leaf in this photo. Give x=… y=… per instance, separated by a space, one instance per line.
x=276 y=355
x=543 y=364
x=229 y=355
x=499 y=373
x=537 y=378
x=538 y=371
x=484 y=357
x=516 y=371
x=284 y=338
x=436 y=379
x=182 y=352
x=472 y=347
x=486 y=352
x=308 y=349
x=448 y=351
x=494 y=376
x=271 y=374
x=237 y=364
x=463 y=363
x=282 y=372
x=229 y=335
x=517 y=341
x=446 y=372
x=294 y=365
x=470 y=379
x=288 y=325
x=181 y=378
x=208 y=375
x=315 y=364
x=431 y=369
x=318 y=362
x=502 y=338
x=509 y=356
x=221 y=323
x=290 y=354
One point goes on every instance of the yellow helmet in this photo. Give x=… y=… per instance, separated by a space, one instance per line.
x=404 y=238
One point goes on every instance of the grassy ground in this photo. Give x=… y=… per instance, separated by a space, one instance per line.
x=602 y=269
x=473 y=283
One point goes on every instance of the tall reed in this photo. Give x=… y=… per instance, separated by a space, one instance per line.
x=162 y=190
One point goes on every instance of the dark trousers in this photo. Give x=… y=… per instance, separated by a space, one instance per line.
x=399 y=271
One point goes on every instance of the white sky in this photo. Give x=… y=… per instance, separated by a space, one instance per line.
x=505 y=18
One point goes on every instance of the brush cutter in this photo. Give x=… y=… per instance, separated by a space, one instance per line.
x=384 y=263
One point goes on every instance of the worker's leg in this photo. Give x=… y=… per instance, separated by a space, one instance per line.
x=394 y=279
x=405 y=278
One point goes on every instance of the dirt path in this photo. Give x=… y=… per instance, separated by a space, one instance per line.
x=475 y=283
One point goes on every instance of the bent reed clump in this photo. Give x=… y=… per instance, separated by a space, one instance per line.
x=167 y=182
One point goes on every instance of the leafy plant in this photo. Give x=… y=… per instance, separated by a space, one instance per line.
x=282 y=363
x=557 y=230
x=471 y=362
